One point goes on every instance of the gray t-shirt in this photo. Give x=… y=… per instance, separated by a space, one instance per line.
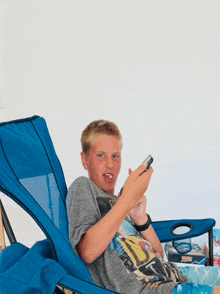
x=129 y=265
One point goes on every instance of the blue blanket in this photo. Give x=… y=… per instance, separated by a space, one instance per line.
x=29 y=271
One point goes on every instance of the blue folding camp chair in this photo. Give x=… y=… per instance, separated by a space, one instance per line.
x=31 y=174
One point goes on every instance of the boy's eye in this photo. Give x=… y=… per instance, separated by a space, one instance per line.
x=101 y=155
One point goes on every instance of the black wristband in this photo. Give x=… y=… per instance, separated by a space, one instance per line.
x=145 y=226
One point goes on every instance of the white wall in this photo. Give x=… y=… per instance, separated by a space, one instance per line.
x=152 y=67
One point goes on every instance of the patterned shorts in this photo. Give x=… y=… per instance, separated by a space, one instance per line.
x=201 y=280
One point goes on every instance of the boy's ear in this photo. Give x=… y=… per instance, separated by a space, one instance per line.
x=84 y=159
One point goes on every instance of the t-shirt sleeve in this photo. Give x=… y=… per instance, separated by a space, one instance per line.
x=82 y=210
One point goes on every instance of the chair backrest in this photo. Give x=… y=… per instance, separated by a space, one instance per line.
x=31 y=174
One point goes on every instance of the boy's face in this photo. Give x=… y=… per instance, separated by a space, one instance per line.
x=104 y=162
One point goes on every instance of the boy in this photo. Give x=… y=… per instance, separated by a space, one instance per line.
x=114 y=235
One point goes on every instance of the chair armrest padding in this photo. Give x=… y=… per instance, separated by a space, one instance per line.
x=164 y=229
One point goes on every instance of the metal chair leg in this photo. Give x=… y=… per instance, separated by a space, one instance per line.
x=58 y=291
x=7 y=225
x=211 y=247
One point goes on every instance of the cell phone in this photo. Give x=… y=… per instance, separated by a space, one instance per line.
x=149 y=160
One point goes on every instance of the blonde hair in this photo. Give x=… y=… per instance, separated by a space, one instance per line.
x=96 y=128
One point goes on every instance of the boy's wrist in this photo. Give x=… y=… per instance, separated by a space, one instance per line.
x=141 y=221
x=144 y=226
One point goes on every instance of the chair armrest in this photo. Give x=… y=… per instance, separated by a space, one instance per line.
x=165 y=230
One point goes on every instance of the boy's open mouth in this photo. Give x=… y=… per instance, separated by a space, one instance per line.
x=108 y=176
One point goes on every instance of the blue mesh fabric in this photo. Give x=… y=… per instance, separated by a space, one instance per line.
x=45 y=191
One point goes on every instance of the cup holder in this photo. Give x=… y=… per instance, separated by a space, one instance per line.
x=181 y=229
x=183 y=246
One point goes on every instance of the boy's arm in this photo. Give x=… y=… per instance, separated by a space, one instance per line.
x=95 y=241
x=150 y=235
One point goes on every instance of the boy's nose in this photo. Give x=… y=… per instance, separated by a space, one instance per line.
x=110 y=163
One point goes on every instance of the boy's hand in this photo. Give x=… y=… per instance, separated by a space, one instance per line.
x=134 y=188
x=138 y=213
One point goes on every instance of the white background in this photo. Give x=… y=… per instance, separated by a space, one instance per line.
x=152 y=67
